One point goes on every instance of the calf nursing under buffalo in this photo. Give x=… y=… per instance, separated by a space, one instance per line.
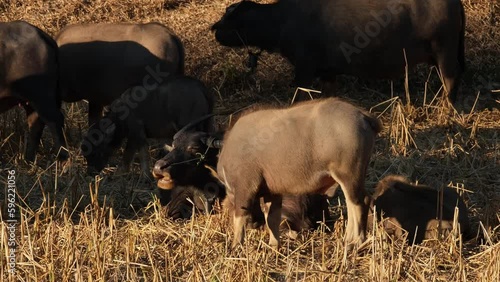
x=271 y=165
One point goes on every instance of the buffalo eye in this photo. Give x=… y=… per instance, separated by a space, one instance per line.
x=193 y=149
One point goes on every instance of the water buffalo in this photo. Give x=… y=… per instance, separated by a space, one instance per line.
x=140 y=114
x=28 y=77
x=309 y=148
x=189 y=163
x=98 y=62
x=365 y=38
x=187 y=171
x=417 y=209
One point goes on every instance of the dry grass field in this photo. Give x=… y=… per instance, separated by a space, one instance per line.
x=73 y=228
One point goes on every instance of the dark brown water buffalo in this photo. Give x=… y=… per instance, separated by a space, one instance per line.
x=364 y=38
x=189 y=163
x=417 y=209
x=100 y=61
x=187 y=172
x=28 y=77
x=140 y=114
x=309 y=148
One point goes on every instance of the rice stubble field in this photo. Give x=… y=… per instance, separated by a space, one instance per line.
x=74 y=228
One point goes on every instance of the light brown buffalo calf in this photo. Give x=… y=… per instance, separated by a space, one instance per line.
x=309 y=148
x=417 y=209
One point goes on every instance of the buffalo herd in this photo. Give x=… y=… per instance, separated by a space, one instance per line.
x=271 y=166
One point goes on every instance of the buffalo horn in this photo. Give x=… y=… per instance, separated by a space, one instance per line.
x=191 y=124
x=168 y=148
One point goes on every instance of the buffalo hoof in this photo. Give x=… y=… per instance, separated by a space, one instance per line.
x=236 y=247
x=357 y=246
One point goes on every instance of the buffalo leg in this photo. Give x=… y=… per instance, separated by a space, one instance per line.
x=95 y=112
x=272 y=213
x=56 y=128
x=128 y=155
x=144 y=157
x=42 y=109
x=242 y=206
x=357 y=209
x=35 y=129
x=244 y=192
x=38 y=117
x=136 y=142
x=239 y=221
x=304 y=77
x=258 y=218
x=447 y=61
x=329 y=87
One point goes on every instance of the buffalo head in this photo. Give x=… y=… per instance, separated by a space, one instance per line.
x=248 y=24
x=189 y=162
x=188 y=153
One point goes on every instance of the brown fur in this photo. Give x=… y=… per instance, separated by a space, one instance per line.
x=308 y=148
x=248 y=110
x=375 y=123
x=411 y=207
